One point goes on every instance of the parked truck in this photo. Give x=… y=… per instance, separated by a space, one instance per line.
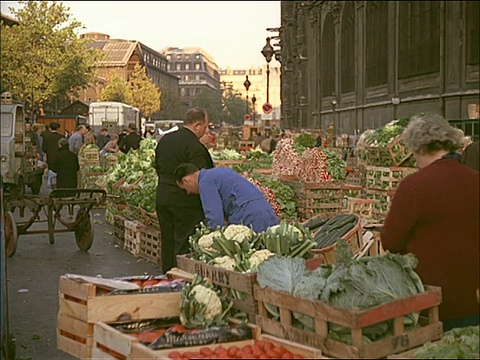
x=114 y=116
x=19 y=162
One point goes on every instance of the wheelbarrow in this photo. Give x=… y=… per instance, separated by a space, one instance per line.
x=52 y=205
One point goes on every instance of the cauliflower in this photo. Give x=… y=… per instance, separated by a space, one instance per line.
x=258 y=257
x=209 y=298
x=238 y=233
x=225 y=262
x=289 y=228
x=206 y=241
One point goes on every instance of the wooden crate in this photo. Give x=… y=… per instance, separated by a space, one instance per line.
x=402 y=339
x=132 y=236
x=361 y=207
x=227 y=280
x=90 y=154
x=385 y=178
x=119 y=228
x=376 y=248
x=312 y=198
x=394 y=154
x=74 y=337
x=151 y=244
x=382 y=200
x=89 y=179
x=81 y=304
x=351 y=191
x=119 y=345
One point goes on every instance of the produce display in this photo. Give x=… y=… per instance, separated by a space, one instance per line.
x=259 y=350
x=331 y=230
x=386 y=134
x=225 y=154
x=349 y=283
x=458 y=343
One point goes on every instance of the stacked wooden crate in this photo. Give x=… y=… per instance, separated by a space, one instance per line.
x=132 y=236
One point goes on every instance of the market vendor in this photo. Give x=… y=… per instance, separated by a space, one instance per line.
x=435 y=215
x=226 y=195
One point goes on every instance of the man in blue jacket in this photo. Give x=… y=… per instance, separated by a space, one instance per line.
x=226 y=195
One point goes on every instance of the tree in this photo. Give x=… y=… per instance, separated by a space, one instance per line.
x=43 y=60
x=211 y=102
x=233 y=105
x=172 y=106
x=145 y=94
x=117 y=89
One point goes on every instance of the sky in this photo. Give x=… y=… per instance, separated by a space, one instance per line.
x=232 y=32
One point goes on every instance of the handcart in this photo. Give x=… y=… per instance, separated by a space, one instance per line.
x=78 y=202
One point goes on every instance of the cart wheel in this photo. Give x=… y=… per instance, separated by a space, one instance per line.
x=84 y=230
x=11 y=234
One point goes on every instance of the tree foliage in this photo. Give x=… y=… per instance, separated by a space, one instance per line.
x=171 y=105
x=233 y=105
x=211 y=102
x=43 y=60
x=116 y=90
x=145 y=94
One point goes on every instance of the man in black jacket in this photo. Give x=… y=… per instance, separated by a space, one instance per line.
x=50 y=144
x=178 y=212
x=131 y=140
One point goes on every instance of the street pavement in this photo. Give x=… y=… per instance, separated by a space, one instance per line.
x=33 y=274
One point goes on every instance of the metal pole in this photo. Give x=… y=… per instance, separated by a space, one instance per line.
x=268 y=82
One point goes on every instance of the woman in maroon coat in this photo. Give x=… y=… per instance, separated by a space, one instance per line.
x=435 y=216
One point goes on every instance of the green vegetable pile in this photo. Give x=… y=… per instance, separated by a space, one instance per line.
x=349 y=283
x=226 y=154
x=335 y=165
x=386 y=134
x=136 y=173
x=458 y=343
x=303 y=141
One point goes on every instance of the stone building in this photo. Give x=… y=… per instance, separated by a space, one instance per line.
x=121 y=58
x=360 y=64
x=196 y=70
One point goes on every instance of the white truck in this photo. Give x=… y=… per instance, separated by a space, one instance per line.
x=19 y=163
x=114 y=116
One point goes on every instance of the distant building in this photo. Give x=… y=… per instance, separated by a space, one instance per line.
x=196 y=69
x=360 y=64
x=121 y=58
x=258 y=80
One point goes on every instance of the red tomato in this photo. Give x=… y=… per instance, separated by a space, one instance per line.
x=287 y=355
x=257 y=352
x=189 y=354
x=247 y=349
x=148 y=283
x=221 y=351
x=263 y=356
x=175 y=355
x=272 y=354
x=232 y=351
x=260 y=343
x=137 y=282
x=206 y=351
x=268 y=346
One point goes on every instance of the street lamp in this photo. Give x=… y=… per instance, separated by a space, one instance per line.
x=268 y=52
x=254 y=100
x=247 y=84
x=333 y=101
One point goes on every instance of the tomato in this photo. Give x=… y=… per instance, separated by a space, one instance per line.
x=232 y=351
x=268 y=346
x=189 y=355
x=148 y=283
x=178 y=328
x=247 y=349
x=257 y=351
x=221 y=351
x=175 y=355
x=260 y=343
x=287 y=355
x=206 y=351
x=263 y=356
x=272 y=354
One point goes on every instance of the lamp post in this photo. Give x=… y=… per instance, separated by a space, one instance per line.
x=247 y=84
x=254 y=100
x=334 y=105
x=268 y=52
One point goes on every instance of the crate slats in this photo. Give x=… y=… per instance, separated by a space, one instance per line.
x=151 y=244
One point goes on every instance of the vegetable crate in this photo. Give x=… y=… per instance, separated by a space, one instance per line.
x=385 y=178
x=119 y=228
x=89 y=179
x=90 y=162
x=382 y=201
x=90 y=154
x=317 y=197
x=111 y=343
x=151 y=244
x=132 y=236
x=227 y=163
x=351 y=191
x=394 y=154
x=361 y=207
x=430 y=328
x=82 y=304
x=227 y=280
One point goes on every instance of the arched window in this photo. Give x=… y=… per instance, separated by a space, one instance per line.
x=473 y=9
x=376 y=55
x=419 y=38
x=328 y=57
x=348 y=48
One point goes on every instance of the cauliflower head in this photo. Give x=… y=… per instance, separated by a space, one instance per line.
x=206 y=241
x=238 y=233
x=209 y=298
x=274 y=229
x=225 y=262
x=258 y=257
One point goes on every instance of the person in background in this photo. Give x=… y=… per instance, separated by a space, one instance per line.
x=111 y=146
x=66 y=166
x=318 y=140
x=102 y=138
x=178 y=212
x=36 y=129
x=226 y=195
x=50 y=144
x=435 y=216
x=67 y=134
x=89 y=137
x=470 y=156
x=208 y=139
x=76 y=140
x=131 y=140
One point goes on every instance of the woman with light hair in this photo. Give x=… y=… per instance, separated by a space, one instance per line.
x=435 y=216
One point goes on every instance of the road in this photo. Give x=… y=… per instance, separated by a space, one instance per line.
x=33 y=274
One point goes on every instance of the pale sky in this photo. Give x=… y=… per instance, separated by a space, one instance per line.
x=232 y=32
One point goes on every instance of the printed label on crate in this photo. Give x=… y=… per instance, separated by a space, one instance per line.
x=219 y=276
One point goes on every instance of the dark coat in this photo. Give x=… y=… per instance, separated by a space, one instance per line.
x=50 y=147
x=131 y=141
x=434 y=215
x=173 y=149
x=470 y=156
x=66 y=165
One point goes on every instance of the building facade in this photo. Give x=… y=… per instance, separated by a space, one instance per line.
x=121 y=58
x=360 y=64
x=196 y=70
x=257 y=76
